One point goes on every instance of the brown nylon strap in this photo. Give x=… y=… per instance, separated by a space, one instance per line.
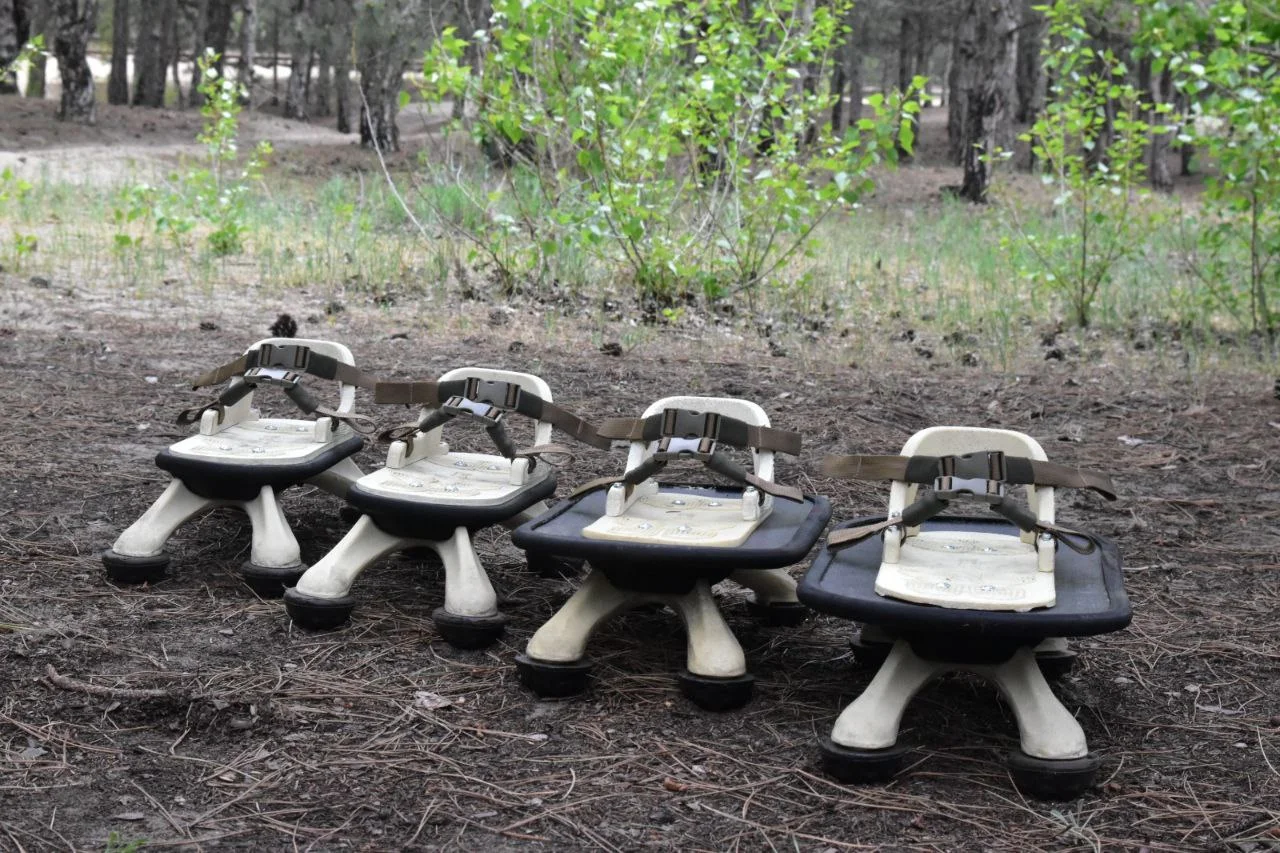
x=717 y=463
x=538 y=451
x=222 y=373
x=594 y=485
x=322 y=366
x=426 y=393
x=923 y=469
x=429 y=393
x=573 y=426
x=730 y=430
x=866 y=467
x=851 y=535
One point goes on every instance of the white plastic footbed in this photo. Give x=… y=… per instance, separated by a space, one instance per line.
x=668 y=518
x=457 y=478
x=257 y=442
x=967 y=571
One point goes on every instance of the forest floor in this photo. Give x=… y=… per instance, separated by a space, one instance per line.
x=253 y=734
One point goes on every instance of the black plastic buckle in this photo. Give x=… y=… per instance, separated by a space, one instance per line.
x=979 y=475
x=676 y=447
x=949 y=488
x=472 y=408
x=504 y=395
x=682 y=423
x=277 y=377
x=288 y=356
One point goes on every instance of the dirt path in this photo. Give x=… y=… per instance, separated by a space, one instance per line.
x=135 y=144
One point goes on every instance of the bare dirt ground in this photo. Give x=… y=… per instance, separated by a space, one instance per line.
x=193 y=714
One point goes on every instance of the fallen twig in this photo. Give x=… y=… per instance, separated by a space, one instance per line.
x=67 y=683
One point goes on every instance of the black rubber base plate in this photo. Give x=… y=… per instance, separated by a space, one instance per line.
x=270 y=581
x=869 y=653
x=553 y=680
x=122 y=568
x=318 y=614
x=550 y=566
x=1053 y=778
x=468 y=632
x=349 y=515
x=1056 y=665
x=717 y=694
x=860 y=766
x=778 y=614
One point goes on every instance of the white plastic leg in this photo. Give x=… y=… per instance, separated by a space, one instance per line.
x=1046 y=727
x=873 y=719
x=338 y=479
x=526 y=515
x=773 y=586
x=467 y=591
x=146 y=536
x=1053 y=644
x=563 y=639
x=713 y=649
x=274 y=544
x=333 y=575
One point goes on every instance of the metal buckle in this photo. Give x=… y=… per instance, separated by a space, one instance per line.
x=277 y=377
x=682 y=423
x=472 y=408
x=675 y=447
x=288 y=356
x=979 y=475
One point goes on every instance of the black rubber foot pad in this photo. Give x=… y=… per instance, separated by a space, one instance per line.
x=122 y=568
x=318 y=614
x=468 y=632
x=349 y=515
x=861 y=766
x=1053 y=778
x=778 y=614
x=270 y=581
x=717 y=694
x=550 y=566
x=1055 y=665
x=869 y=653
x=553 y=680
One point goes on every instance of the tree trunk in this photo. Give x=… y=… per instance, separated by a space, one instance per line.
x=118 y=82
x=199 y=23
x=379 y=90
x=38 y=21
x=275 y=58
x=957 y=105
x=248 y=48
x=77 y=20
x=295 y=100
x=10 y=46
x=1161 y=93
x=342 y=80
x=1030 y=84
x=322 y=103
x=986 y=45
x=150 y=60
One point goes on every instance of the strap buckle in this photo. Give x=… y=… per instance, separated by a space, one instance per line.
x=949 y=488
x=979 y=475
x=683 y=423
x=289 y=356
x=277 y=377
x=458 y=405
x=675 y=447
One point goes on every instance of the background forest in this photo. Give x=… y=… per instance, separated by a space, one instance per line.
x=714 y=156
